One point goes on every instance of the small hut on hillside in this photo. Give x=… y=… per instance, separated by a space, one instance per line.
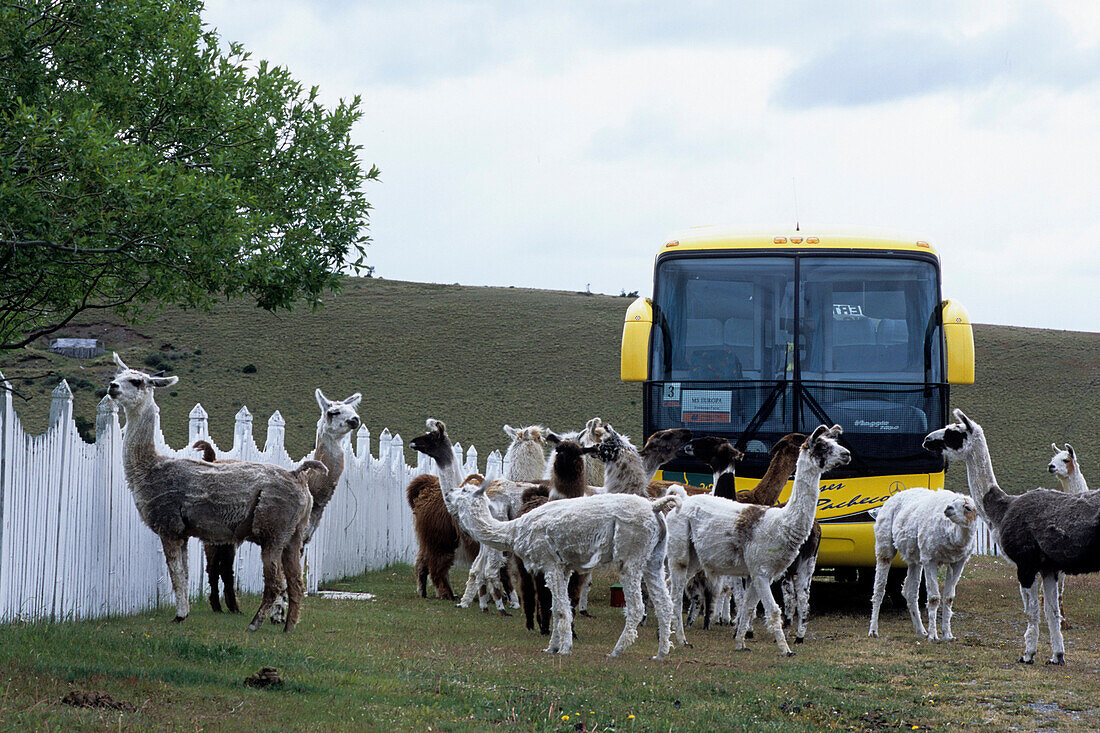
x=77 y=348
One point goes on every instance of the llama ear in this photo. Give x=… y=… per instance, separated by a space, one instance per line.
x=322 y=401
x=511 y=432
x=354 y=400
x=738 y=454
x=589 y=449
x=819 y=431
x=1069 y=449
x=1054 y=447
x=118 y=360
x=835 y=431
x=963 y=419
x=552 y=437
x=163 y=381
x=592 y=424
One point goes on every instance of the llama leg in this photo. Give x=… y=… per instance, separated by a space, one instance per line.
x=954 y=572
x=271 y=558
x=882 y=572
x=545 y=607
x=508 y=581
x=744 y=614
x=1054 y=619
x=911 y=590
x=212 y=575
x=472 y=581
x=439 y=569
x=662 y=602
x=227 y=555
x=295 y=589
x=790 y=597
x=635 y=607
x=773 y=617
x=1030 y=596
x=175 y=556
x=561 y=634
x=421 y=570
x=582 y=602
x=1061 y=606
x=802 y=581
x=932 y=591
x=679 y=577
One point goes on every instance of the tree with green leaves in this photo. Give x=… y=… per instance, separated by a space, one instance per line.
x=142 y=166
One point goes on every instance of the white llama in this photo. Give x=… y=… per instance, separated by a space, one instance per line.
x=561 y=537
x=525 y=460
x=721 y=537
x=1067 y=469
x=928 y=529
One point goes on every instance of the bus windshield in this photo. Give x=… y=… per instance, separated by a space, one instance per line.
x=753 y=346
x=862 y=319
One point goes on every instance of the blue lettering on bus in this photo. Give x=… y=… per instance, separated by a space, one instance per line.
x=857 y=500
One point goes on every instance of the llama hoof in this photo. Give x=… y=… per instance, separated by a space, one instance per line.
x=504 y=612
x=585 y=613
x=1066 y=625
x=1025 y=660
x=178 y=619
x=947 y=638
x=485 y=610
x=799 y=639
x=788 y=653
x=748 y=634
x=1059 y=659
x=872 y=634
x=657 y=657
x=252 y=627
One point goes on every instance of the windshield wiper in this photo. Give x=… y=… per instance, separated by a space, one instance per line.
x=761 y=415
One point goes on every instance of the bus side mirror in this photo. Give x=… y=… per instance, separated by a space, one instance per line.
x=634 y=366
x=958 y=336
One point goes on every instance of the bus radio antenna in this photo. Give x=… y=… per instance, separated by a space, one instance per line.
x=794 y=186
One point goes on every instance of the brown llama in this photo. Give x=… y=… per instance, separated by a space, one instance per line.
x=438 y=535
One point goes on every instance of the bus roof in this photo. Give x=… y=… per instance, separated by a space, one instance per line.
x=711 y=237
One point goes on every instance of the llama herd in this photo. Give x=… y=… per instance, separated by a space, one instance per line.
x=592 y=503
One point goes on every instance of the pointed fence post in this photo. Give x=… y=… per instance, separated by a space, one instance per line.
x=198 y=426
x=276 y=434
x=362 y=442
x=384 y=446
x=397 y=453
x=243 y=443
x=494 y=466
x=471 y=460
x=61 y=404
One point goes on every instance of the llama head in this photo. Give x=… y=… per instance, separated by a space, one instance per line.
x=530 y=434
x=716 y=452
x=569 y=460
x=134 y=389
x=957 y=439
x=664 y=444
x=823 y=449
x=1064 y=463
x=611 y=446
x=789 y=444
x=467 y=496
x=593 y=432
x=338 y=418
x=434 y=443
x=961 y=511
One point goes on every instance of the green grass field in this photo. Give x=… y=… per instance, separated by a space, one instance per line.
x=404 y=663
x=481 y=357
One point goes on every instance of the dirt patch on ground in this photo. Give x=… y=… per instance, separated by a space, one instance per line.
x=96 y=699
x=267 y=677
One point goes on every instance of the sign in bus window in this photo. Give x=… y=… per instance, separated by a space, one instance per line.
x=705 y=406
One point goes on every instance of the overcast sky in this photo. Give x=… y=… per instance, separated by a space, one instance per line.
x=555 y=145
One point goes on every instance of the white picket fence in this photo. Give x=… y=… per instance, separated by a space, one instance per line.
x=73 y=546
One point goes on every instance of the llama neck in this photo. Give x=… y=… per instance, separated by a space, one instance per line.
x=448 y=472
x=486 y=528
x=958 y=535
x=628 y=474
x=775 y=478
x=330 y=451
x=526 y=462
x=1075 y=482
x=987 y=495
x=724 y=485
x=802 y=505
x=139 y=446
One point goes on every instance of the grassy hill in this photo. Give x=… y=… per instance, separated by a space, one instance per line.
x=481 y=357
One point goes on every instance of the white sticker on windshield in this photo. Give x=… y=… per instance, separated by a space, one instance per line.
x=705 y=406
x=670 y=395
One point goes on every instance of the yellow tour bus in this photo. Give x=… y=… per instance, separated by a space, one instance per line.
x=753 y=336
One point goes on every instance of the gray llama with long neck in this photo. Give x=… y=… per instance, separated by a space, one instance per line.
x=1043 y=532
x=224 y=503
x=338 y=420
